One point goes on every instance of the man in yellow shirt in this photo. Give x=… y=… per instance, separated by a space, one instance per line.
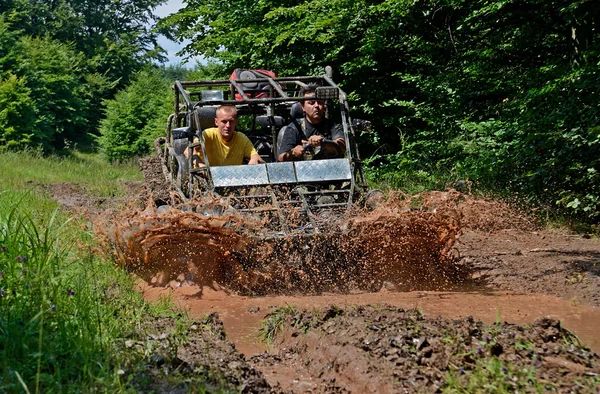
x=224 y=146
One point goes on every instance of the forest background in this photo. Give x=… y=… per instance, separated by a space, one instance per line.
x=502 y=94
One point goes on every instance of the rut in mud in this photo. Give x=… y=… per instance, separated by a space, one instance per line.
x=366 y=349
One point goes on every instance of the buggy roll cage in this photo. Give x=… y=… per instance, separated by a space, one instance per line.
x=194 y=101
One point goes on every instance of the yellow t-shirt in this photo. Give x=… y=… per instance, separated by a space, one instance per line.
x=221 y=153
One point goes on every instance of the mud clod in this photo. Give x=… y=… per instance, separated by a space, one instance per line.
x=404 y=351
x=206 y=358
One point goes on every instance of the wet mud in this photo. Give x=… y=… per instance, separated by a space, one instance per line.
x=207 y=359
x=362 y=348
x=393 y=350
x=446 y=254
x=407 y=250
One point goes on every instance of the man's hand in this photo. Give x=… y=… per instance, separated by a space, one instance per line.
x=341 y=142
x=255 y=159
x=315 y=140
x=297 y=152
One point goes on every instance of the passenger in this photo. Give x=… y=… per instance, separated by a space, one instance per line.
x=224 y=146
x=311 y=130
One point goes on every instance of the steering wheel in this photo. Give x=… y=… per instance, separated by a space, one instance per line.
x=327 y=150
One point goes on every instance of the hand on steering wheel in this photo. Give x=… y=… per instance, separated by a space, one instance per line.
x=315 y=140
x=298 y=151
x=327 y=149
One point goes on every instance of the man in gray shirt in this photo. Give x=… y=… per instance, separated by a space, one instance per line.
x=310 y=130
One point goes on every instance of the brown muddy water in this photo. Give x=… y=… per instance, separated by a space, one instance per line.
x=391 y=256
x=241 y=315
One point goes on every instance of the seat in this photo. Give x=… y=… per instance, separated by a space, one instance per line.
x=268 y=121
x=296 y=112
x=207 y=116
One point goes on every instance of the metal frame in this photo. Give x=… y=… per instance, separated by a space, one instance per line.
x=337 y=178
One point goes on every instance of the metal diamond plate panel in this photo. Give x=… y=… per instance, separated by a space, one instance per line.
x=323 y=170
x=281 y=173
x=244 y=175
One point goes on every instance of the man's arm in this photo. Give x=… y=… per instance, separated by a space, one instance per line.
x=197 y=157
x=291 y=144
x=296 y=153
x=337 y=135
x=250 y=152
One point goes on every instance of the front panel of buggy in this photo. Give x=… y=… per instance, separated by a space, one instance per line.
x=291 y=197
x=288 y=197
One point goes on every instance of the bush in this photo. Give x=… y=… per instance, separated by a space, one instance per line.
x=136 y=116
x=16 y=113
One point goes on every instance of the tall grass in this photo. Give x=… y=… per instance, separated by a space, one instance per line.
x=64 y=309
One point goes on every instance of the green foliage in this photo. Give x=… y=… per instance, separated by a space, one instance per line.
x=52 y=71
x=91 y=28
x=502 y=92
x=16 y=114
x=70 y=55
x=136 y=116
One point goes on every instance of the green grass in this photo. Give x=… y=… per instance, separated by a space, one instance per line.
x=65 y=310
x=23 y=170
x=492 y=376
x=274 y=323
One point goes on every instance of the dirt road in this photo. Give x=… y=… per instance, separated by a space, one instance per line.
x=523 y=278
x=519 y=277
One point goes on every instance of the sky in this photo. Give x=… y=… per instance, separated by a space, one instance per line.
x=170 y=7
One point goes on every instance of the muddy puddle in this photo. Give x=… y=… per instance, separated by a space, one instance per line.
x=442 y=259
x=394 y=255
x=242 y=315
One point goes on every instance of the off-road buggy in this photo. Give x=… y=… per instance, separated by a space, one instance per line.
x=292 y=197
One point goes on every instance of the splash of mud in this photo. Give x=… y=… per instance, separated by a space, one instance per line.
x=409 y=250
x=475 y=213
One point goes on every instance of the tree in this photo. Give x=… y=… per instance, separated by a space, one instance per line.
x=52 y=72
x=502 y=92
x=136 y=116
x=73 y=54
x=16 y=114
x=88 y=25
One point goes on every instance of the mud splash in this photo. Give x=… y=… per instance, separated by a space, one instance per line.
x=172 y=245
x=401 y=248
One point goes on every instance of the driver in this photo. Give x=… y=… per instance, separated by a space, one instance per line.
x=224 y=146
x=310 y=130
